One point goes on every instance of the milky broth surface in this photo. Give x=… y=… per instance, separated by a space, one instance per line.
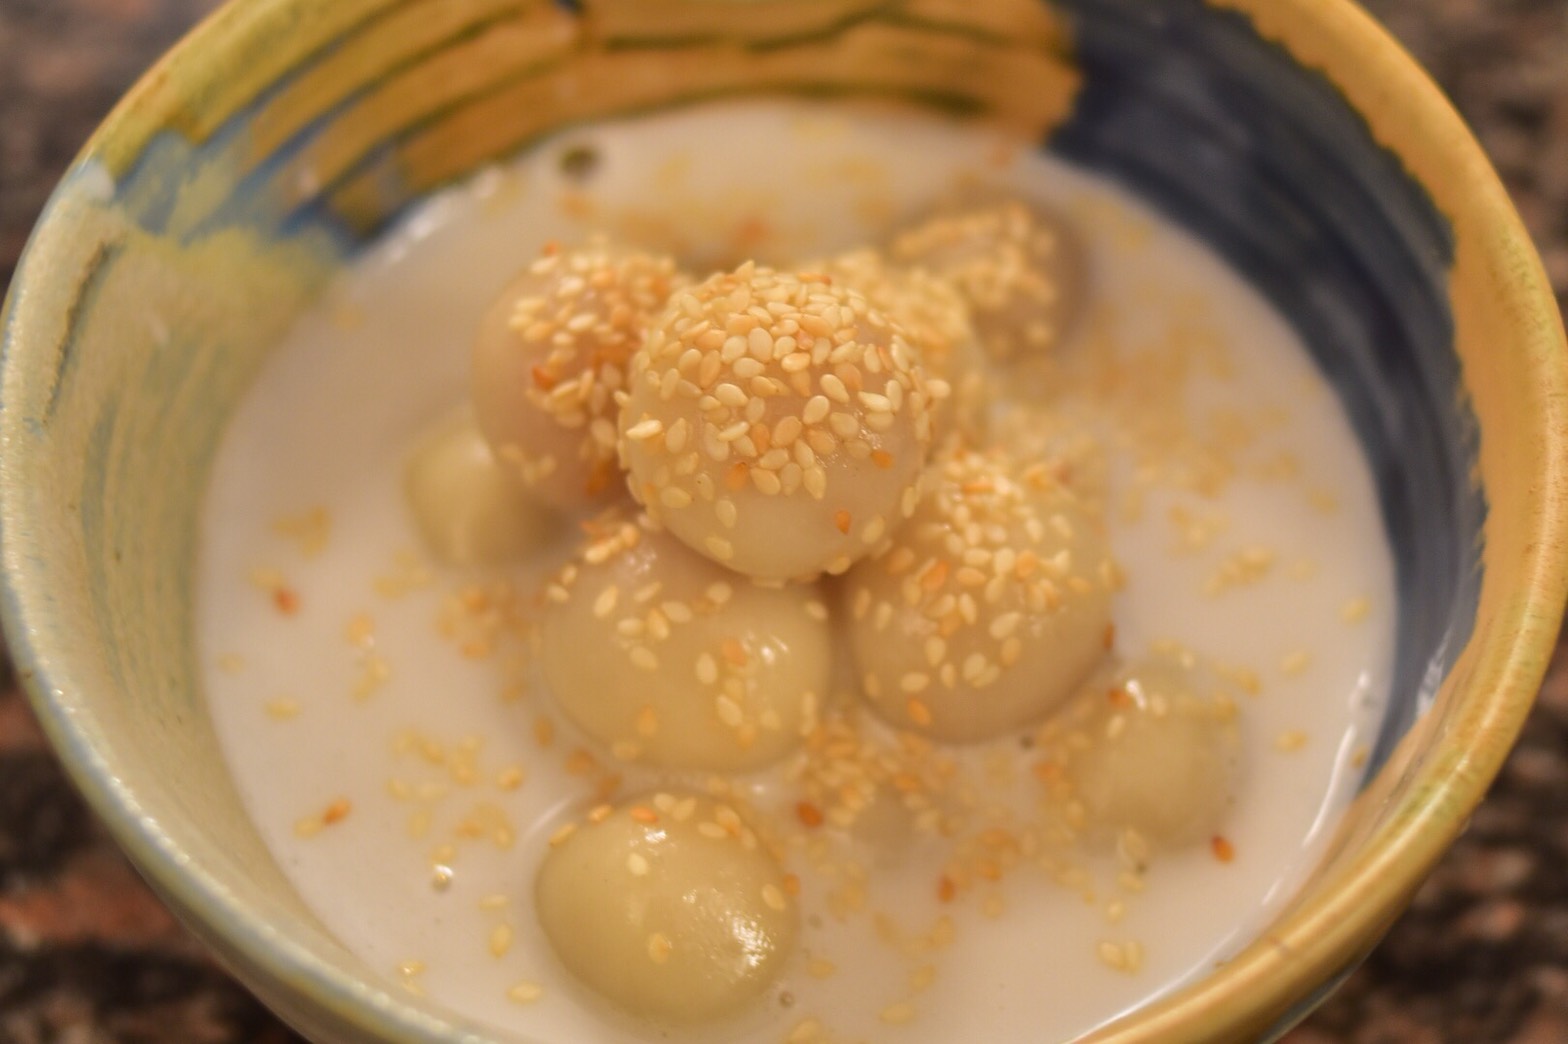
x=393 y=746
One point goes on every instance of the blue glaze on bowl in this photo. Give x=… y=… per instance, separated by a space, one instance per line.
x=1269 y=164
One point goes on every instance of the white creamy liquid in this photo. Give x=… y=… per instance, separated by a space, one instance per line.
x=354 y=699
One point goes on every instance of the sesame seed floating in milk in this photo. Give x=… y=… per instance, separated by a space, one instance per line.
x=385 y=721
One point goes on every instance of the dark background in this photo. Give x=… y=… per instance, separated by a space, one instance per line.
x=87 y=955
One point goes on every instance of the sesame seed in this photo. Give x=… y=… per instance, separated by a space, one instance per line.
x=729 y=711
x=807 y=1031
x=767 y=482
x=525 y=993
x=1290 y=741
x=659 y=947
x=844 y=425
x=1004 y=625
x=647 y=428
x=283 y=708
x=816 y=481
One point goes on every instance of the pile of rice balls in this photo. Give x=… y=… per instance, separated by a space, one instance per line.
x=789 y=486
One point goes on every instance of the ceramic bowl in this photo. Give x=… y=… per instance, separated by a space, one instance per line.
x=1293 y=135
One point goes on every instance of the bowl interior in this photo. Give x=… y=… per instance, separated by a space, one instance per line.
x=284 y=135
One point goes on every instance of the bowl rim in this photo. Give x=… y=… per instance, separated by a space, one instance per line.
x=1240 y=999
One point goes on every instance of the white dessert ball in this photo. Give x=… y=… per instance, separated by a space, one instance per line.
x=1018 y=268
x=776 y=423
x=550 y=355
x=668 y=906
x=469 y=507
x=991 y=606
x=1163 y=757
x=671 y=660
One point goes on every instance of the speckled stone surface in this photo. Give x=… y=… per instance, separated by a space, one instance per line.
x=88 y=955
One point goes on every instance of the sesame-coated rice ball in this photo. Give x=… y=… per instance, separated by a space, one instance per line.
x=991 y=606
x=550 y=356
x=671 y=660
x=1163 y=756
x=777 y=423
x=669 y=906
x=1019 y=269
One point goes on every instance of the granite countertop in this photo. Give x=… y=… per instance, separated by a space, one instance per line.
x=88 y=955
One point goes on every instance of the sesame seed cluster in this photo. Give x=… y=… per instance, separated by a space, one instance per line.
x=936 y=318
